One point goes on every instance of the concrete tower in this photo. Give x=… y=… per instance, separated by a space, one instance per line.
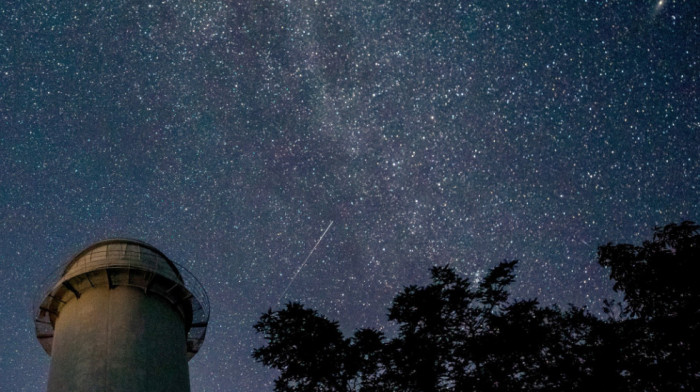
x=121 y=317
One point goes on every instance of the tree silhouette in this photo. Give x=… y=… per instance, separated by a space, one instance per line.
x=657 y=335
x=656 y=278
x=309 y=349
x=453 y=336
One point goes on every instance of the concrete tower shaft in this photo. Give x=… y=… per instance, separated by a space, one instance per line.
x=120 y=316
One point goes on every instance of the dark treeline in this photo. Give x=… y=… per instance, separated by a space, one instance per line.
x=455 y=336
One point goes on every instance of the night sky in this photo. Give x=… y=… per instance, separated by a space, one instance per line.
x=230 y=134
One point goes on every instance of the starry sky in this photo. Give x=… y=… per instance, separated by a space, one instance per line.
x=230 y=134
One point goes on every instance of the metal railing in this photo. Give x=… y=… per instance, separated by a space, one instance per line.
x=121 y=258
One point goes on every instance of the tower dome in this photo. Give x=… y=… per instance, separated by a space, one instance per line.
x=120 y=311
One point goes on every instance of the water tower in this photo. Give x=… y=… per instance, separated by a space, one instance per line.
x=121 y=317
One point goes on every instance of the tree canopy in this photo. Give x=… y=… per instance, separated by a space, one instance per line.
x=457 y=336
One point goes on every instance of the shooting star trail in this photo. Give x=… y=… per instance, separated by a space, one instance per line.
x=303 y=264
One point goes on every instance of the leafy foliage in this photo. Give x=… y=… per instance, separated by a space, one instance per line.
x=658 y=336
x=309 y=349
x=456 y=337
x=656 y=277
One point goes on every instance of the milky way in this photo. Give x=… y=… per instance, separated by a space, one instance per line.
x=229 y=134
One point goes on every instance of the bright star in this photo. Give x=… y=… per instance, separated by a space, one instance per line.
x=659 y=5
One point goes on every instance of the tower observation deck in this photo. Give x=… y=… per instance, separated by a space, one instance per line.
x=121 y=316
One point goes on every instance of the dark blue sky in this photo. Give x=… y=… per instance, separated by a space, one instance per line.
x=229 y=134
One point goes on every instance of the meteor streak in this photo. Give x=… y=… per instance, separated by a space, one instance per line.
x=304 y=263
